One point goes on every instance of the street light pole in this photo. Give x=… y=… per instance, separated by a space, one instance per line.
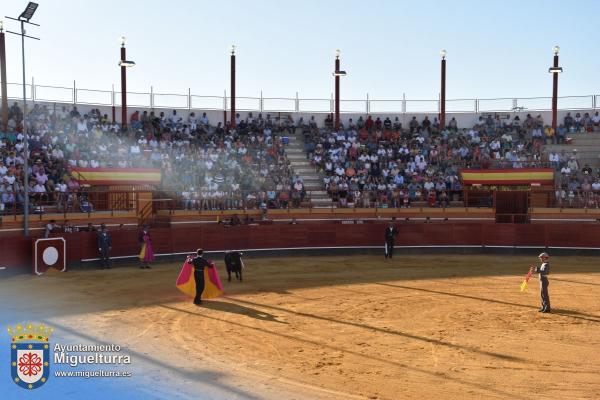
x=124 y=63
x=232 y=87
x=337 y=91
x=25 y=142
x=443 y=92
x=555 y=70
x=24 y=18
x=4 y=119
x=123 y=84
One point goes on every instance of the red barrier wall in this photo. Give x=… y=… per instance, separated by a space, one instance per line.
x=16 y=251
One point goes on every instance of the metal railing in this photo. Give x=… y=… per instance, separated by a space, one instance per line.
x=151 y=99
x=80 y=201
x=110 y=202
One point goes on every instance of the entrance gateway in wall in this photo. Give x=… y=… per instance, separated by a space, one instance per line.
x=509 y=191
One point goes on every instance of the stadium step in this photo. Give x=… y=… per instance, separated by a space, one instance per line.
x=295 y=152
x=297 y=159
x=303 y=170
x=325 y=203
x=313 y=180
x=299 y=163
x=584 y=146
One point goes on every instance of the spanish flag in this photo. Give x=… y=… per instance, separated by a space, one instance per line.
x=518 y=176
x=187 y=284
x=117 y=176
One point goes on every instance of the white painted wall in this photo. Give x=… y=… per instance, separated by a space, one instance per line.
x=464 y=119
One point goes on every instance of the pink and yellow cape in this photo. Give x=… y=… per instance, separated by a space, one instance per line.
x=187 y=284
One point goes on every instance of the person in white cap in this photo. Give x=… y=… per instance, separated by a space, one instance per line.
x=544 y=271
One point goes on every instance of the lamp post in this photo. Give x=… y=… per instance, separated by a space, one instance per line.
x=337 y=73
x=443 y=92
x=555 y=70
x=4 y=119
x=232 y=86
x=25 y=18
x=124 y=64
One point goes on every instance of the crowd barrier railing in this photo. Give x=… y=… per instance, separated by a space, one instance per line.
x=102 y=97
x=147 y=204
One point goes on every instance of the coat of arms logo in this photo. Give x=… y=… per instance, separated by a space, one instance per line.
x=30 y=355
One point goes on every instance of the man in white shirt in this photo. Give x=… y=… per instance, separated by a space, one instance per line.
x=9 y=178
x=596 y=119
x=39 y=188
x=61 y=187
x=57 y=153
x=428 y=185
x=174 y=119
x=204 y=120
x=82 y=126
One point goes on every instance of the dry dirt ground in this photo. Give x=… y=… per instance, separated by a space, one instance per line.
x=345 y=327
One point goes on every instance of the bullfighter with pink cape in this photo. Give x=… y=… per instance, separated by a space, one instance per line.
x=187 y=284
x=146 y=253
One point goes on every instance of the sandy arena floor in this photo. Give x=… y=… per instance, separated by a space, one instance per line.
x=426 y=327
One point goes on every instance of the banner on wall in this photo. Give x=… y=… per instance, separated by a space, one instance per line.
x=117 y=176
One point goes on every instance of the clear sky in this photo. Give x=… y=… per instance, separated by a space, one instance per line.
x=495 y=48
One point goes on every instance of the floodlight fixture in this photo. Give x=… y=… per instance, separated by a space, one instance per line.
x=29 y=11
x=126 y=63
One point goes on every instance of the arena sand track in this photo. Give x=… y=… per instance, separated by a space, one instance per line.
x=349 y=327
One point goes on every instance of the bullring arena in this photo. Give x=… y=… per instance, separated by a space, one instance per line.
x=345 y=327
x=394 y=244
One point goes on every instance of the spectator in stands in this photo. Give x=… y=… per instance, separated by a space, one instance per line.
x=596 y=120
x=8 y=198
x=452 y=125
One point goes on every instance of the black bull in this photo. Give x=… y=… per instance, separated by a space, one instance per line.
x=233 y=263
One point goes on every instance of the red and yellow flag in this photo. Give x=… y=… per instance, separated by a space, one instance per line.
x=187 y=284
x=524 y=284
x=517 y=176
x=117 y=176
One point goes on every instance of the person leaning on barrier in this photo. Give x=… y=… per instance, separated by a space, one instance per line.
x=50 y=226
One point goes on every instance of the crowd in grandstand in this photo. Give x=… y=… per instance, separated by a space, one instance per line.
x=368 y=162
x=212 y=167
x=380 y=162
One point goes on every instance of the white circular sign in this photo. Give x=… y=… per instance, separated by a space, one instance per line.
x=50 y=256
